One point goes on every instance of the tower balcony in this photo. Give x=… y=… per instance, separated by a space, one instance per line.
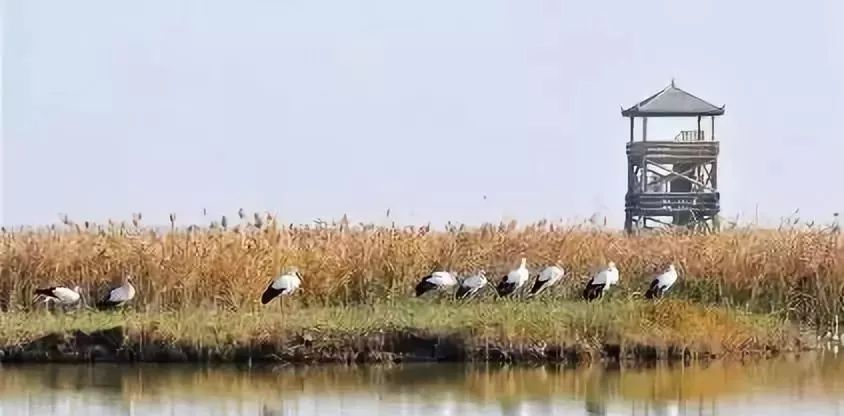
x=670 y=152
x=703 y=204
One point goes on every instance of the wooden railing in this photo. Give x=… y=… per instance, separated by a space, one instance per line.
x=657 y=150
x=658 y=204
x=689 y=136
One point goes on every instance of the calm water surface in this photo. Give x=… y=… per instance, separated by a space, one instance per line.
x=809 y=384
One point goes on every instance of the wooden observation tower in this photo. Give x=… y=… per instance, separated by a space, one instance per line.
x=672 y=182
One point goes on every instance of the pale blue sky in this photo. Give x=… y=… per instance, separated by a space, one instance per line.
x=317 y=108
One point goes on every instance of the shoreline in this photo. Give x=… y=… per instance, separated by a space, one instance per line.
x=408 y=346
x=534 y=332
x=113 y=346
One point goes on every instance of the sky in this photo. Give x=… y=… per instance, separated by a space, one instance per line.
x=469 y=111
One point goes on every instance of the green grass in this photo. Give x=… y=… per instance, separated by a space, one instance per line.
x=669 y=323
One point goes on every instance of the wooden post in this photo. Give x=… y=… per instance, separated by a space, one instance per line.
x=628 y=218
x=644 y=172
x=632 y=126
x=713 y=179
x=712 y=130
x=644 y=129
x=713 y=175
x=697 y=137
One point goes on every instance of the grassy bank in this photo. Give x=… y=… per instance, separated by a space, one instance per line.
x=411 y=331
x=198 y=292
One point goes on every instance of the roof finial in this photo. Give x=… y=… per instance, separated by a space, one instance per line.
x=672 y=82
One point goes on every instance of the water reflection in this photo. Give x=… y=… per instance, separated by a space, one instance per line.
x=812 y=383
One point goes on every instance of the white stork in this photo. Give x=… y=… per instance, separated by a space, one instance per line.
x=662 y=283
x=284 y=285
x=59 y=294
x=119 y=295
x=601 y=282
x=471 y=285
x=514 y=280
x=548 y=277
x=435 y=281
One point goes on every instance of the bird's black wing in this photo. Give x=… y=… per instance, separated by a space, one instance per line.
x=537 y=286
x=48 y=291
x=462 y=291
x=269 y=294
x=424 y=286
x=504 y=287
x=652 y=290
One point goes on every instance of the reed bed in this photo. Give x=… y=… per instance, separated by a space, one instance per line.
x=793 y=272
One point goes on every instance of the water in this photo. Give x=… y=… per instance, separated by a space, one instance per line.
x=810 y=384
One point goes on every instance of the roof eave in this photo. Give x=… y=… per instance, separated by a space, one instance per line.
x=634 y=112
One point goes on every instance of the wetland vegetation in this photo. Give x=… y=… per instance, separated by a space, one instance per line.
x=198 y=292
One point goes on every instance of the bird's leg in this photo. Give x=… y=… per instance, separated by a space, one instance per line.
x=47 y=301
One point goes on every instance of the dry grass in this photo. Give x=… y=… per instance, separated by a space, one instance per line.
x=788 y=272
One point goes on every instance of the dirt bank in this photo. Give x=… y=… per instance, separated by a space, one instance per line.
x=116 y=345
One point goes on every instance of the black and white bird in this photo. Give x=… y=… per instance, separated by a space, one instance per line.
x=547 y=278
x=284 y=285
x=514 y=280
x=61 y=295
x=601 y=282
x=119 y=295
x=471 y=285
x=662 y=283
x=435 y=281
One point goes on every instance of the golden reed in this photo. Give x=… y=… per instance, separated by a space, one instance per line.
x=796 y=272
